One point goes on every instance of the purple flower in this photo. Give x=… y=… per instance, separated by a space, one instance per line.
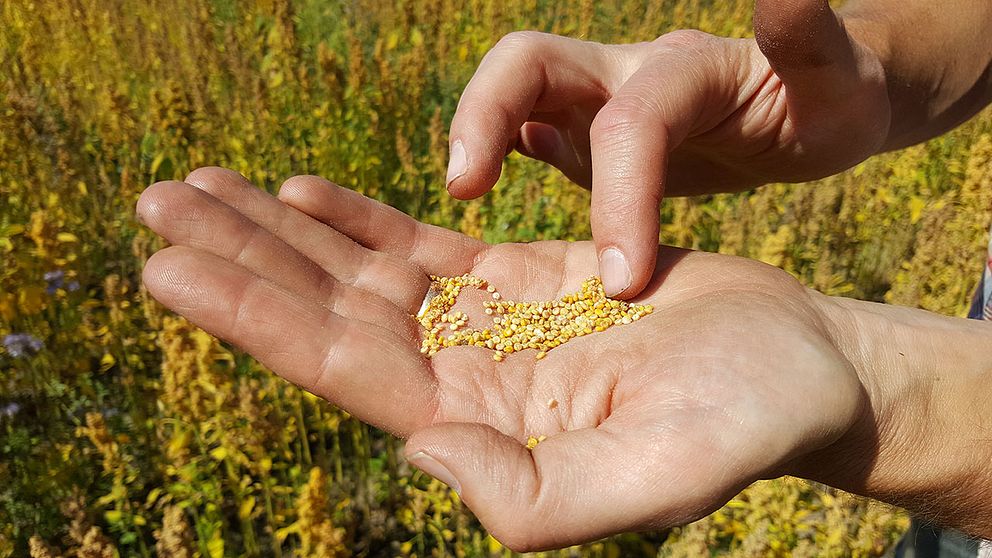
x=22 y=344
x=9 y=410
x=73 y=286
x=55 y=279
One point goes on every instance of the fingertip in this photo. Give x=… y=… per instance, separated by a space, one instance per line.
x=798 y=34
x=494 y=474
x=479 y=143
x=155 y=201
x=487 y=463
x=146 y=205
x=625 y=277
x=464 y=190
x=641 y=272
x=614 y=270
x=541 y=141
x=152 y=270
x=428 y=464
x=625 y=225
x=469 y=175
x=161 y=274
x=457 y=162
x=206 y=175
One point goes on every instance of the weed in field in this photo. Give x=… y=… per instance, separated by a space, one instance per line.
x=126 y=430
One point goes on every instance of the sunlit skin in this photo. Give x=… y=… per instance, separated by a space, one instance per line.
x=813 y=93
x=734 y=377
x=688 y=113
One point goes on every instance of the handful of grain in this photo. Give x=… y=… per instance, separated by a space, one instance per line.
x=517 y=326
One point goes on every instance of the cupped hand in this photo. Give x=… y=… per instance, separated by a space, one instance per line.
x=653 y=424
x=688 y=113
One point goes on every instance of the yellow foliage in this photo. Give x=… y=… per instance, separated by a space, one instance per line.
x=188 y=448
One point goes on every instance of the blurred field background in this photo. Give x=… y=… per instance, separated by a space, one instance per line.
x=126 y=431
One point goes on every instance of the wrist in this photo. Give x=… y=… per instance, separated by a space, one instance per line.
x=924 y=441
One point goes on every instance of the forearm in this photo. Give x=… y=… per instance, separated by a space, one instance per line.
x=937 y=58
x=925 y=442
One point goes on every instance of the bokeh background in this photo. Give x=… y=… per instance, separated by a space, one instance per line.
x=126 y=431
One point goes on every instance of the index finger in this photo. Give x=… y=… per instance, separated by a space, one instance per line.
x=526 y=72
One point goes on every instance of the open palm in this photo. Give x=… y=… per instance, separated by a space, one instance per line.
x=648 y=425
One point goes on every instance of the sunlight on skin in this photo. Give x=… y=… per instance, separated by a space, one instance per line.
x=657 y=422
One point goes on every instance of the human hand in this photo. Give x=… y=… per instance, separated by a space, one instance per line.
x=688 y=113
x=734 y=377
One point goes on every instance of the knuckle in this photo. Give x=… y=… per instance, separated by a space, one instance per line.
x=617 y=201
x=520 y=41
x=487 y=112
x=621 y=118
x=684 y=38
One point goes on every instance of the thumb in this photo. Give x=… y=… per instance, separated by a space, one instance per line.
x=574 y=487
x=807 y=47
x=835 y=89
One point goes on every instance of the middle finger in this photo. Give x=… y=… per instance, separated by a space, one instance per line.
x=383 y=274
x=190 y=217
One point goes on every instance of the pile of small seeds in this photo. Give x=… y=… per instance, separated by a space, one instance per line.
x=517 y=326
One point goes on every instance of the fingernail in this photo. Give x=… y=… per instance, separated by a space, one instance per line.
x=434 y=468
x=616 y=273
x=457 y=162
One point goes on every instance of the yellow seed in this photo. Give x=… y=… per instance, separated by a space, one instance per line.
x=533 y=441
x=518 y=326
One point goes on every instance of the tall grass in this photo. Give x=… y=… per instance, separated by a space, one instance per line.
x=131 y=432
